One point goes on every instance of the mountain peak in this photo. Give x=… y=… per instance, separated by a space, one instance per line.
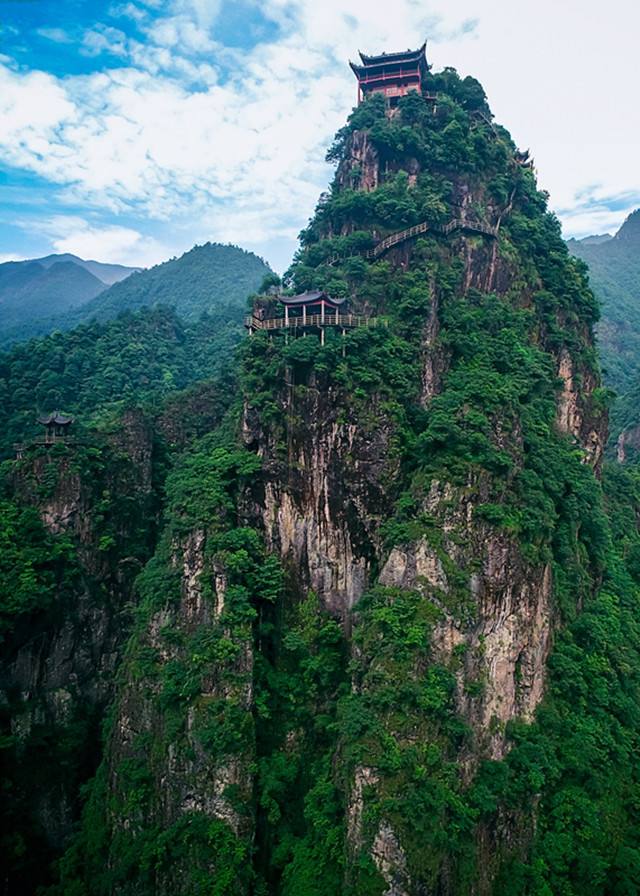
x=630 y=230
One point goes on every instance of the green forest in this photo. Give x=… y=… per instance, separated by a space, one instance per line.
x=249 y=609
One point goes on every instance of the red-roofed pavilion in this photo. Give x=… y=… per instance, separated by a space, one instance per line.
x=392 y=74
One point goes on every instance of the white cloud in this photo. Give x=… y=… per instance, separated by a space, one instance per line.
x=128 y=11
x=102 y=39
x=57 y=35
x=115 y=244
x=178 y=133
x=595 y=219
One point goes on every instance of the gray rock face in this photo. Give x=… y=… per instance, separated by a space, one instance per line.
x=628 y=444
x=321 y=508
x=506 y=626
x=362 y=171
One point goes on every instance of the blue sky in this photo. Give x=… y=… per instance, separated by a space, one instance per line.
x=133 y=129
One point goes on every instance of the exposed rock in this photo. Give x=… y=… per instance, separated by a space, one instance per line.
x=505 y=621
x=363 y=777
x=321 y=513
x=408 y=569
x=187 y=777
x=391 y=862
x=362 y=169
x=628 y=444
x=571 y=416
x=434 y=360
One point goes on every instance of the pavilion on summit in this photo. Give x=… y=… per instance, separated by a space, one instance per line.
x=392 y=74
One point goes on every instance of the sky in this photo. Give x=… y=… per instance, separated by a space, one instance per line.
x=131 y=130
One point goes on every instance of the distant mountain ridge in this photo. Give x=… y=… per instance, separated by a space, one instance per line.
x=200 y=281
x=194 y=283
x=107 y=273
x=38 y=289
x=614 y=272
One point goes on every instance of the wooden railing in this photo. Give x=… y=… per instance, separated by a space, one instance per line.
x=21 y=448
x=391 y=76
x=401 y=235
x=346 y=321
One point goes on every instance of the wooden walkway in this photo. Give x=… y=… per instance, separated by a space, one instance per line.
x=345 y=321
x=402 y=235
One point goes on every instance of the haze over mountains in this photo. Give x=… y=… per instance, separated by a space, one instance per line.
x=61 y=292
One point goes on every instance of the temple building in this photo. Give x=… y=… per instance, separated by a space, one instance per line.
x=56 y=427
x=310 y=311
x=392 y=74
x=315 y=308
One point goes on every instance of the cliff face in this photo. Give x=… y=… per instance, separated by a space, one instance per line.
x=323 y=496
x=59 y=666
x=365 y=568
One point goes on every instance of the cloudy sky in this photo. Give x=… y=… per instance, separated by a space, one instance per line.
x=131 y=130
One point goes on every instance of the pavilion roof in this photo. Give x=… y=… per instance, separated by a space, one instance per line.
x=55 y=419
x=310 y=298
x=407 y=56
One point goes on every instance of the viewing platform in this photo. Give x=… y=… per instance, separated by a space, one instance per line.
x=306 y=312
x=346 y=321
x=56 y=432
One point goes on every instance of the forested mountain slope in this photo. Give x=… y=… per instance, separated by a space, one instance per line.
x=78 y=520
x=207 y=279
x=31 y=292
x=137 y=358
x=203 y=279
x=380 y=614
x=614 y=272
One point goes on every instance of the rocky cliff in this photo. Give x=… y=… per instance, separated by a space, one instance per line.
x=365 y=645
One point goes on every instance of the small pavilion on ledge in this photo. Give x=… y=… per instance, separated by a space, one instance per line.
x=56 y=427
x=392 y=74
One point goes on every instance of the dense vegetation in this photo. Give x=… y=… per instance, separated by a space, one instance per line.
x=31 y=293
x=34 y=292
x=141 y=387
x=135 y=358
x=209 y=278
x=240 y=691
